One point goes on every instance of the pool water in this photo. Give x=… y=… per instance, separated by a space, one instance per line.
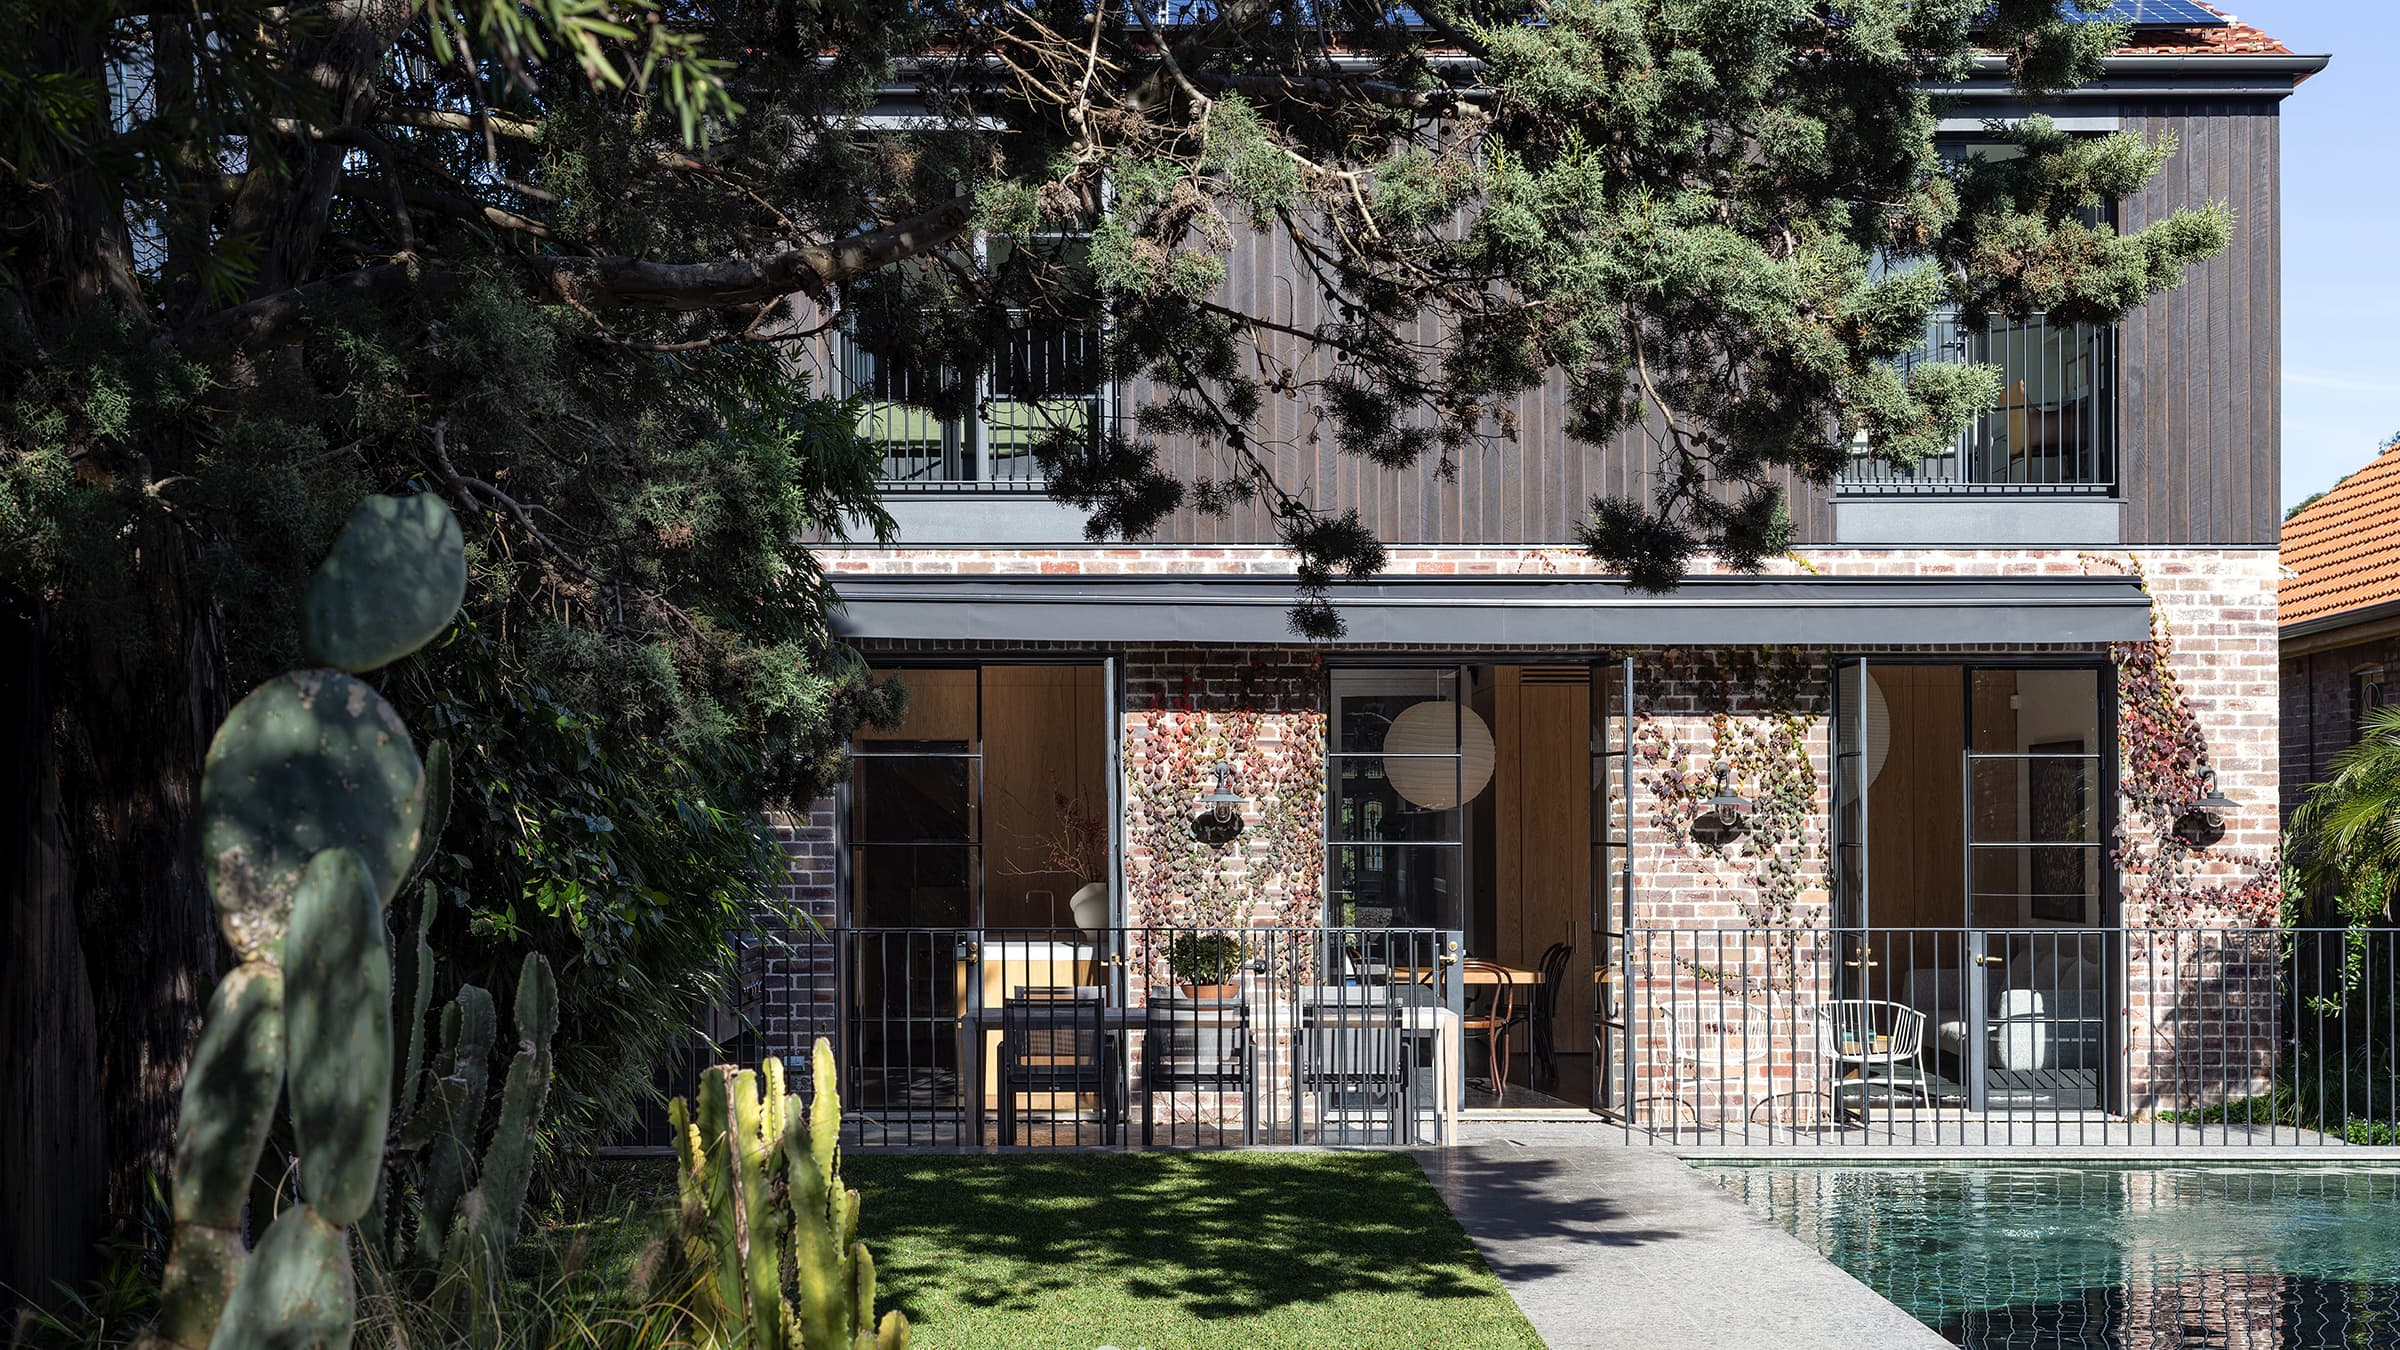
x=2111 y=1258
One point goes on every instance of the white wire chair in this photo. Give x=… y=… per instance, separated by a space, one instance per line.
x=1872 y=1042
x=1720 y=1034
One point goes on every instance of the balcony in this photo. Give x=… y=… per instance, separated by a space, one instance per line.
x=2054 y=433
x=1043 y=383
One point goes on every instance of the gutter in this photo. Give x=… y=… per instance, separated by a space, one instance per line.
x=2384 y=618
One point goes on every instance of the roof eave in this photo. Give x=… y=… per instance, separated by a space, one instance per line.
x=2356 y=617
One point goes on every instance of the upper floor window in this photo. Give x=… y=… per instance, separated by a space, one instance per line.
x=973 y=424
x=2367 y=693
x=2055 y=428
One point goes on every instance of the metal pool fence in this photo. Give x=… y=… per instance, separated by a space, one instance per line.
x=2006 y=1037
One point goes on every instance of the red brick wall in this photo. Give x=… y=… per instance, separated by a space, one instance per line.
x=2190 y=1017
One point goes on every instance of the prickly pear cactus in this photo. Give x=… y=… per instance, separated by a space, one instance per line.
x=311 y=760
x=228 y=1107
x=337 y=1001
x=736 y=1155
x=391 y=584
x=313 y=804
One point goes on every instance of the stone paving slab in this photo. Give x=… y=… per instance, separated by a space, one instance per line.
x=1628 y=1249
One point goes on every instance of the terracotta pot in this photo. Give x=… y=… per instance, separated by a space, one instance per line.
x=1216 y=991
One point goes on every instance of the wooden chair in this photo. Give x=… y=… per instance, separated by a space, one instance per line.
x=1491 y=1014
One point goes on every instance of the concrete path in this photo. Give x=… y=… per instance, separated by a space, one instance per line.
x=1628 y=1249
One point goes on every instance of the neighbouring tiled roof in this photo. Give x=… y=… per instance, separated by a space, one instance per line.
x=2234 y=39
x=2343 y=549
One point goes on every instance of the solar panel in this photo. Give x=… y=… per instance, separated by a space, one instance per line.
x=2155 y=14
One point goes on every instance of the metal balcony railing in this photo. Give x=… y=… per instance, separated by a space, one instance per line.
x=1044 y=383
x=2054 y=432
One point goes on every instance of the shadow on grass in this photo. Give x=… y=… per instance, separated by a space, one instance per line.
x=1214 y=1235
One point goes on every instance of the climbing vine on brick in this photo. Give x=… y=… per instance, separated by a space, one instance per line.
x=2162 y=750
x=1766 y=739
x=1269 y=875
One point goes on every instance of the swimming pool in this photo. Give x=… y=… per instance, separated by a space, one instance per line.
x=2108 y=1258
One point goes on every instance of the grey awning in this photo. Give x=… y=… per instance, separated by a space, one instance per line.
x=1502 y=613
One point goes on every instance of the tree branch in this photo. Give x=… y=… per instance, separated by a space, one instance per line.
x=602 y=283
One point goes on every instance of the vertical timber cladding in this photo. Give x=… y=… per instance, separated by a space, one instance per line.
x=2199 y=386
x=2200 y=420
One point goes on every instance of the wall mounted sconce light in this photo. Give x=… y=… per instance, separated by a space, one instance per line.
x=1220 y=817
x=2203 y=822
x=1728 y=810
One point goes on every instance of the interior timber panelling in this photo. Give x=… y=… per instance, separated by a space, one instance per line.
x=1541 y=866
x=1045 y=731
x=1916 y=835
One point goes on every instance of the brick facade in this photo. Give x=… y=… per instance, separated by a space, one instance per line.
x=2320 y=716
x=2199 y=1038
x=795 y=994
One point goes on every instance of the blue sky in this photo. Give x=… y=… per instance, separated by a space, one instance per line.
x=2341 y=217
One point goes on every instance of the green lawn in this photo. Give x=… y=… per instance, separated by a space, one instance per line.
x=1153 y=1251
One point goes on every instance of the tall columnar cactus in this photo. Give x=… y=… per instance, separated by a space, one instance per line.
x=313 y=807
x=766 y=1219
x=446 y=1217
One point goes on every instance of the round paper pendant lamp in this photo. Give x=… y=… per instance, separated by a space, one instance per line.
x=1437 y=728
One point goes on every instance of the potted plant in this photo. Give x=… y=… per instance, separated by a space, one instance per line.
x=1207 y=965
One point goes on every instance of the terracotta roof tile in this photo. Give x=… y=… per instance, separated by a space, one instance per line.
x=2234 y=39
x=2344 y=547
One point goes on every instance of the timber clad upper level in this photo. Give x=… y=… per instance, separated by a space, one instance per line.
x=2164 y=431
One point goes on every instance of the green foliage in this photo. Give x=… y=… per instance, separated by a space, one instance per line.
x=765 y=1219
x=2344 y=841
x=1204 y=958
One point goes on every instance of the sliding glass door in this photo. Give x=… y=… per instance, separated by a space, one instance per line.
x=1398 y=769
x=1972 y=808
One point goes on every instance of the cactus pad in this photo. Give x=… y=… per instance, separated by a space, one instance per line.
x=229 y=1097
x=391 y=584
x=338 y=1012
x=311 y=760
x=298 y=1293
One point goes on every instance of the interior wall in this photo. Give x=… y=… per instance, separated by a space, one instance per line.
x=2054 y=707
x=1045 y=734
x=1916 y=833
x=1541 y=858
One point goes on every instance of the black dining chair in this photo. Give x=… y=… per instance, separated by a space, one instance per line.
x=1542 y=1017
x=1197 y=1045
x=1057 y=1041
x=1354 y=1059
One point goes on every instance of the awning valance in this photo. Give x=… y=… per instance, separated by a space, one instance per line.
x=1501 y=613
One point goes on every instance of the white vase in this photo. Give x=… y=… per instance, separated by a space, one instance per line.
x=1089 y=905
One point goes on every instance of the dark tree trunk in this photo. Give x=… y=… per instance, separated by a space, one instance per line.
x=55 y=1174
x=135 y=697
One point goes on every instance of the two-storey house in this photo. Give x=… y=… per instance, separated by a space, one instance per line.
x=1924 y=789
